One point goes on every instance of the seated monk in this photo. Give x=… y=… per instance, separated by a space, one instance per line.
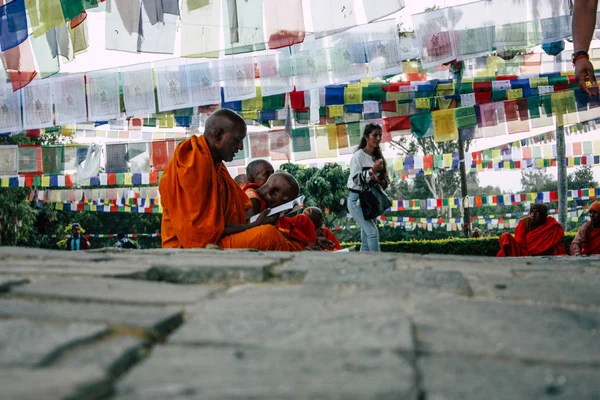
x=241 y=179
x=536 y=235
x=325 y=238
x=258 y=173
x=203 y=205
x=587 y=240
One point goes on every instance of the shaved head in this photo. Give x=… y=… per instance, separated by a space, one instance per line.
x=258 y=171
x=241 y=179
x=279 y=189
x=224 y=132
x=316 y=216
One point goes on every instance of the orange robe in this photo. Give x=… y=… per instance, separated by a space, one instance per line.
x=592 y=244
x=199 y=199
x=331 y=237
x=545 y=240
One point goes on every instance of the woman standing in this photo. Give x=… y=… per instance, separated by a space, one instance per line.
x=366 y=168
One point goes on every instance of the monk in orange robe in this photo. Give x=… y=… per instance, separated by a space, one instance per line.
x=536 y=235
x=258 y=173
x=325 y=238
x=587 y=240
x=202 y=204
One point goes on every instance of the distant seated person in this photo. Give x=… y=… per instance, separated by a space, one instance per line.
x=77 y=242
x=476 y=233
x=587 y=240
x=536 y=235
x=203 y=205
x=241 y=180
x=325 y=238
x=124 y=242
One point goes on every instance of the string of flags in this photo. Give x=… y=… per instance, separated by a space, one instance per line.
x=111 y=235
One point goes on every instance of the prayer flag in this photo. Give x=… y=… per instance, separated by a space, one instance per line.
x=284 y=22
x=444 y=125
x=13 y=24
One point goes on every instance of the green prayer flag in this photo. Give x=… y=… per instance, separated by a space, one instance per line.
x=467 y=87
x=577 y=160
x=37 y=181
x=354 y=133
x=445 y=202
x=301 y=140
x=275 y=102
x=71 y=8
x=499 y=95
x=184 y=112
x=302 y=117
x=465 y=117
x=533 y=104
x=120 y=178
x=150 y=122
x=53 y=160
x=420 y=123
x=135 y=149
x=373 y=93
x=547 y=103
x=322 y=112
x=90 y=4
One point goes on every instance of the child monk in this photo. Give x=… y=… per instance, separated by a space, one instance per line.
x=259 y=172
x=325 y=238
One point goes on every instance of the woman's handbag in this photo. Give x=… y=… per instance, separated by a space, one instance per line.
x=374 y=201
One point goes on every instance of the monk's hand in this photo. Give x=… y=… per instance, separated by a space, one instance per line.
x=584 y=71
x=264 y=219
x=325 y=243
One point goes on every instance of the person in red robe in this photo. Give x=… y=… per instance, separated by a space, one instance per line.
x=535 y=235
x=203 y=205
x=325 y=238
x=259 y=172
x=587 y=240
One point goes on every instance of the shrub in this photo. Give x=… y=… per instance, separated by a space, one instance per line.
x=487 y=246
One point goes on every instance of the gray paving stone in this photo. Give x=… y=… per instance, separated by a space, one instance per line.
x=7 y=282
x=257 y=373
x=26 y=343
x=155 y=320
x=462 y=378
x=54 y=384
x=114 y=354
x=114 y=291
x=521 y=331
x=292 y=317
x=29 y=268
x=573 y=288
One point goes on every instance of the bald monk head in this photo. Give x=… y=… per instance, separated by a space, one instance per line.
x=539 y=214
x=258 y=171
x=241 y=179
x=224 y=132
x=279 y=189
x=316 y=216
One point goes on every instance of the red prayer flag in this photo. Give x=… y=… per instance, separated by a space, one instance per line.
x=483 y=97
x=389 y=106
x=112 y=178
x=401 y=123
x=159 y=155
x=482 y=86
x=297 y=100
x=154 y=177
x=20 y=65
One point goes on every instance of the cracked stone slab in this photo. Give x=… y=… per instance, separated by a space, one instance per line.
x=114 y=291
x=174 y=372
x=573 y=288
x=54 y=384
x=293 y=317
x=114 y=354
x=455 y=377
x=518 y=331
x=154 y=320
x=26 y=343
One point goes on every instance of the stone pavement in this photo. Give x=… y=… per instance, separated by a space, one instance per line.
x=209 y=324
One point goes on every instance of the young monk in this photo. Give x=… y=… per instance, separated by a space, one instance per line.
x=536 y=235
x=325 y=238
x=257 y=173
x=241 y=179
x=203 y=205
x=587 y=240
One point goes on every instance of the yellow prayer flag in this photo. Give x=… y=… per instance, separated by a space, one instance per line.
x=322 y=142
x=514 y=94
x=466 y=80
x=158 y=135
x=423 y=102
x=166 y=121
x=365 y=82
x=93 y=207
x=535 y=82
x=332 y=137
x=45 y=180
x=398 y=164
x=496 y=154
x=563 y=104
x=353 y=94
x=44 y=15
x=596 y=146
x=451 y=202
x=58 y=206
x=394 y=204
x=540 y=163
x=255 y=103
x=411 y=67
x=428 y=172
x=479 y=167
x=250 y=115
x=444 y=125
x=393 y=96
x=4 y=182
x=506 y=164
x=447 y=160
x=570 y=161
x=445 y=86
x=127 y=178
x=335 y=111
x=567 y=73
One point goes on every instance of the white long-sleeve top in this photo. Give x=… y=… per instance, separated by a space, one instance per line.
x=360 y=165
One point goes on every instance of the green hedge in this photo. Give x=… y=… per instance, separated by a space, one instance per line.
x=487 y=246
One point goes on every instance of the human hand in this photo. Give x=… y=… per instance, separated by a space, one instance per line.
x=264 y=219
x=378 y=166
x=325 y=243
x=584 y=71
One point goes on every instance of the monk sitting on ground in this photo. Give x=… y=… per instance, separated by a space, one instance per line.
x=241 y=179
x=203 y=205
x=325 y=238
x=536 y=235
x=587 y=240
x=261 y=171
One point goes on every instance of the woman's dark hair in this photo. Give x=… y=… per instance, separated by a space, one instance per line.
x=363 y=143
